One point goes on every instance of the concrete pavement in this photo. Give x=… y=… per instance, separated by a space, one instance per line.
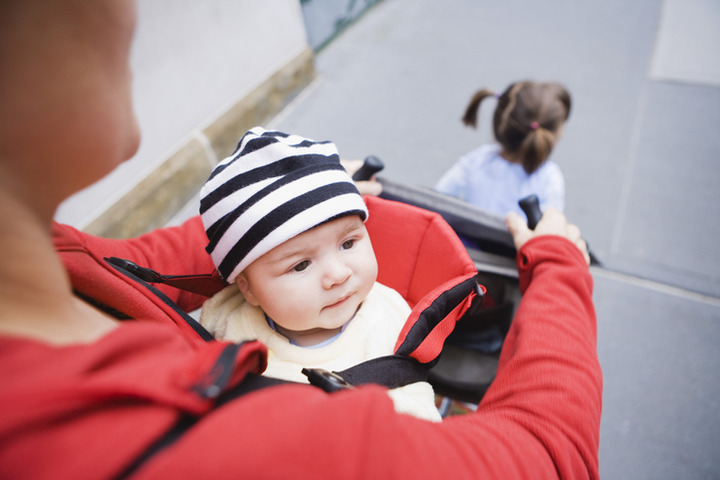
x=640 y=156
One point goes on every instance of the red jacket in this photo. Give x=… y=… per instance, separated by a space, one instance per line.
x=93 y=411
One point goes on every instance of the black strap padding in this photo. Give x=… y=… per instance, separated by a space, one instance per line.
x=391 y=371
x=194 y=324
x=435 y=313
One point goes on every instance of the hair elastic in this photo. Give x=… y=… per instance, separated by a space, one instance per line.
x=534 y=125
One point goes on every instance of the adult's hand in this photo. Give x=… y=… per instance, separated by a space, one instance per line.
x=552 y=223
x=369 y=187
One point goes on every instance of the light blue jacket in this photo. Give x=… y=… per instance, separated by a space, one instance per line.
x=485 y=179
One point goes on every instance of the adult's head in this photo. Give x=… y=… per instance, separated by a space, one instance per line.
x=66 y=116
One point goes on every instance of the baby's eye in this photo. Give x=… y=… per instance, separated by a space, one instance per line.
x=301 y=266
x=348 y=244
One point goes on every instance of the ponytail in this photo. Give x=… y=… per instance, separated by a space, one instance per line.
x=536 y=148
x=470 y=117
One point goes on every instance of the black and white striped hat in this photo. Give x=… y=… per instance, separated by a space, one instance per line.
x=273 y=188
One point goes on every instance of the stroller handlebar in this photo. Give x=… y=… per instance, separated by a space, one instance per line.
x=371 y=165
x=531 y=206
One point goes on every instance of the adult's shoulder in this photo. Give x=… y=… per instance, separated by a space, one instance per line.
x=550 y=172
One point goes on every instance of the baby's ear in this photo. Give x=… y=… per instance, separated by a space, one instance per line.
x=244 y=285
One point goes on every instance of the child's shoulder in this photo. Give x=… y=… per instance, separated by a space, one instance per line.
x=482 y=155
x=549 y=169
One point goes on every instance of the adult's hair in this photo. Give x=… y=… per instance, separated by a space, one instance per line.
x=527 y=119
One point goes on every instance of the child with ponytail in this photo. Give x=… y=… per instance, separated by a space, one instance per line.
x=527 y=123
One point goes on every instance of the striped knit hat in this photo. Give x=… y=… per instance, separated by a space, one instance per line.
x=273 y=188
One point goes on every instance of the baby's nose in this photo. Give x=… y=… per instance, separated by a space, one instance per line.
x=336 y=274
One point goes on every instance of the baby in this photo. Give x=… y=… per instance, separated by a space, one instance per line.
x=286 y=229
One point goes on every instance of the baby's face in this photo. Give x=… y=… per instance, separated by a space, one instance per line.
x=311 y=285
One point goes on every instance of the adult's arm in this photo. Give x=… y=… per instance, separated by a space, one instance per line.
x=548 y=390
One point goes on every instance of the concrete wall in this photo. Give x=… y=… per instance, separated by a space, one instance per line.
x=204 y=72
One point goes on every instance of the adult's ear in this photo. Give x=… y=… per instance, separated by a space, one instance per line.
x=243 y=284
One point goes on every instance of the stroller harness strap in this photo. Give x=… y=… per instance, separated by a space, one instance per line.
x=204 y=284
x=390 y=371
x=121 y=266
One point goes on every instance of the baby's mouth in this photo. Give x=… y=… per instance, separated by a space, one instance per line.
x=339 y=302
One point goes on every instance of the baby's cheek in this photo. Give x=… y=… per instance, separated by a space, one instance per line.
x=297 y=299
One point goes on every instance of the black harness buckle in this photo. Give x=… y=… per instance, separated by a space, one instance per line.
x=328 y=381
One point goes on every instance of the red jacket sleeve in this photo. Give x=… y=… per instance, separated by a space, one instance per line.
x=548 y=389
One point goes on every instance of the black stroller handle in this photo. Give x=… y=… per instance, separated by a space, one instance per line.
x=370 y=167
x=531 y=206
